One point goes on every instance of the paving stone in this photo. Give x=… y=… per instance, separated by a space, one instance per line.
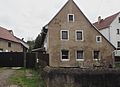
x=4 y=75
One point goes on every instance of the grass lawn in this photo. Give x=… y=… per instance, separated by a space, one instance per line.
x=25 y=78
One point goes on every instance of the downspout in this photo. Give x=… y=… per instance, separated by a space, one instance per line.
x=109 y=33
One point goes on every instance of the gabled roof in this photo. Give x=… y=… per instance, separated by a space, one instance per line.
x=46 y=26
x=22 y=42
x=105 y=23
x=6 y=35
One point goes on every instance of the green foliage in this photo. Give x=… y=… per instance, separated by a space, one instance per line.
x=42 y=76
x=117 y=65
x=31 y=45
x=38 y=42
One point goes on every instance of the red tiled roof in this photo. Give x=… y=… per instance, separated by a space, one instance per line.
x=5 y=34
x=104 y=23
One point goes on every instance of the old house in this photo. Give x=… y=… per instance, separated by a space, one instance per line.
x=110 y=28
x=24 y=44
x=72 y=41
x=9 y=43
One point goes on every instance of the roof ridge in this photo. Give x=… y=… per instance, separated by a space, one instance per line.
x=83 y=15
x=106 y=22
x=112 y=15
x=5 y=34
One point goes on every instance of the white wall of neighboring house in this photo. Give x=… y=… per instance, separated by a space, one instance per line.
x=111 y=32
x=105 y=32
x=46 y=43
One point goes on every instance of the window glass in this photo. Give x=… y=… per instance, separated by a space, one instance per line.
x=79 y=35
x=98 y=39
x=96 y=54
x=118 y=31
x=9 y=44
x=118 y=44
x=80 y=54
x=65 y=54
x=71 y=17
x=64 y=34
x=119 y=19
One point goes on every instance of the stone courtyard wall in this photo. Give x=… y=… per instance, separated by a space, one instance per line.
x=76 y=77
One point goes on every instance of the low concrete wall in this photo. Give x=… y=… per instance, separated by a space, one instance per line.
x=76 y=77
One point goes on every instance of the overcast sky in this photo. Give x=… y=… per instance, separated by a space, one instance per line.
x=27 y=17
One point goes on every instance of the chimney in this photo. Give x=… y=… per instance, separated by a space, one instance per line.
x=11 y=32
x=22 y=39
x=99 y=19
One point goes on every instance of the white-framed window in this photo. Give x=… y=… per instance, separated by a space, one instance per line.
x=119 y=19
x=79 y=35
x=118 y=31
x=65 y=55
x=98 y=39
x=96 y=55
x=79 y=55
x=71 y=18
x=64 y=34
x=118 y=44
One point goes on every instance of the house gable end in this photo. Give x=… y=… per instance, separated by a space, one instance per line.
x=71 y=8
x=86 y=38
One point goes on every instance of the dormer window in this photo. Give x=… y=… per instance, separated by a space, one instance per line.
x=70 y=17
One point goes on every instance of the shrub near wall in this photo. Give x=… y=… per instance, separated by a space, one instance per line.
x=76 y=77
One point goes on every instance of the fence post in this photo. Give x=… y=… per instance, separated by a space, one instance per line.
x=36 y=60
x=25 y=64
x=24 y=59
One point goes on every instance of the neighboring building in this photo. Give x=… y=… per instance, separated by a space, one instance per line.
x=72 y=41
x=8 y=42
x=24 y=45
x=110 y=28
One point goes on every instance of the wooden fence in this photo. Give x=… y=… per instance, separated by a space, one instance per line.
x=20 y=59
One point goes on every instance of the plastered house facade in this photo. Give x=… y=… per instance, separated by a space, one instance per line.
x=72 y=41
x=10 y=43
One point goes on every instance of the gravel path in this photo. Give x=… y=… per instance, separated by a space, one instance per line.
x=5 y=73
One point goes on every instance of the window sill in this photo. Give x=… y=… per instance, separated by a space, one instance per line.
x=79 y=59
x=71 y=21
x=65 y=59
x=80 y=40
x=96 y=59
x=98 y=41
x=64 y=39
